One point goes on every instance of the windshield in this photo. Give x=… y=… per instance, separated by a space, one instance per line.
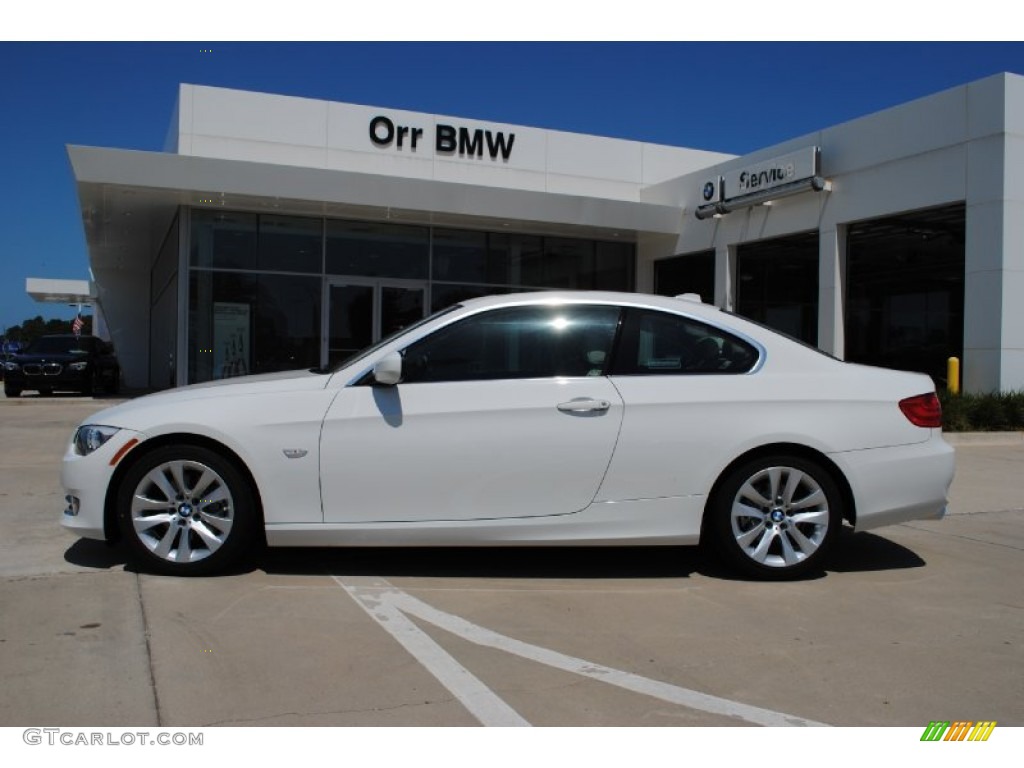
x=388 y=339
x=58 y=345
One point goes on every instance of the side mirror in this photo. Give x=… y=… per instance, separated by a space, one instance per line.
x=388 y=370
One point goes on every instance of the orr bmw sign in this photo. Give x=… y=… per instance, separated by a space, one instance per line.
x=752 y=184
x=447 y=139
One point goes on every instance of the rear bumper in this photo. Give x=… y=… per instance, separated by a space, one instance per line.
x=901 y=483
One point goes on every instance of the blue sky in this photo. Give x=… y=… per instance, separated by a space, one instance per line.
x=728 y=97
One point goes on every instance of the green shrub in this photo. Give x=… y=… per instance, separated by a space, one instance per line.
x=990 y=412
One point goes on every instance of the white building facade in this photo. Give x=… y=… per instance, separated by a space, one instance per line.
x=276 y=232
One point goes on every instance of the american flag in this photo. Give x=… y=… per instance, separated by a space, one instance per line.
x=76 y=325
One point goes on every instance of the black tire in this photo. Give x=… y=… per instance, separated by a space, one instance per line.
x=11 y=391
x=193 y=535
x=780 y=535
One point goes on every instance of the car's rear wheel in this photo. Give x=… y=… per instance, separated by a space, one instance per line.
x=777 y=516
x=185 y=510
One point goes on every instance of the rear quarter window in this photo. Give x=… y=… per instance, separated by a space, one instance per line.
x=661 y=343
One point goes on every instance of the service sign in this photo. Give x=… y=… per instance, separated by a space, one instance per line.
x=777 y=172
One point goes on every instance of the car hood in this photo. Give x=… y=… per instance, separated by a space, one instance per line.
x=50 y=357
x=126 y=414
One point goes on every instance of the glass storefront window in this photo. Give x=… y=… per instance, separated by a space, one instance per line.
x=444 y=296
x=567 y=263
x=230 y=240
x=905 y=290
x=778 y=284
x=689 y=273
x=250 y=313
x=252 y=323
x=371 y=249
x=522 y=255
x=289 y=244
x=223 y=239
x=614 y=266
x=462 y=256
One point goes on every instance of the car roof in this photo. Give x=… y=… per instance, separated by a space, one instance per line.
x=79 y=339
x=671 y=303
x=686 y=304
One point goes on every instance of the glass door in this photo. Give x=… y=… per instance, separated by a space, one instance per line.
x=360 y=312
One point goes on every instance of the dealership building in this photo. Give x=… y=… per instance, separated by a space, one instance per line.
x=277 y=232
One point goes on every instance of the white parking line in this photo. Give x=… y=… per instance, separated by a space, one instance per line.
x=388 y=606
x=377 y=600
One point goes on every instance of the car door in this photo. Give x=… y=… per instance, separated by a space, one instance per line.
x=505 y=413
x=693 y=398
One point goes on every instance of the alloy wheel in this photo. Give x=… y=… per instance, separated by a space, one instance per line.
x=780 y=516
x=182 y=511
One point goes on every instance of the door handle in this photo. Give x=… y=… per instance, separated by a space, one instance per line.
x=584 y=405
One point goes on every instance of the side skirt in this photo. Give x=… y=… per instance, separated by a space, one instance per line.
x=666 y=521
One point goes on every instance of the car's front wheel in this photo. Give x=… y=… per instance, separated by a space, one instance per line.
x=185 y=510
x=777 y=516
x=10 y=390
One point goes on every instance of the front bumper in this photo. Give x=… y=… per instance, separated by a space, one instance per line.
x=86 y=480
x=67 y=379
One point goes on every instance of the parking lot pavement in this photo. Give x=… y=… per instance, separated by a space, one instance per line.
x=989 y=473
x=908 y=623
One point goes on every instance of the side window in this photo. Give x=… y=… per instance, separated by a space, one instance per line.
x=659 y=343
x=516 y=343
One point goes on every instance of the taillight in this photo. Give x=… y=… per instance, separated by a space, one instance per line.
x=923 y=410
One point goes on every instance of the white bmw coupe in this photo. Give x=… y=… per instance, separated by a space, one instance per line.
x=564 y=418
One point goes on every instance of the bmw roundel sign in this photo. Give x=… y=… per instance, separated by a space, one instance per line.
x=711 y=192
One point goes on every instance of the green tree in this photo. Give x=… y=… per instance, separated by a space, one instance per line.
x=32 y=329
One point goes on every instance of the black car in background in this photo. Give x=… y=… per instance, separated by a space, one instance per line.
x=49 y=364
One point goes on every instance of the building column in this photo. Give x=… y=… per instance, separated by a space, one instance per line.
x=832 y=291
x=725 y=277
x=993 y=293
x=994 y=266
x=649 y=248
x=182 y=339
x=1011 y=369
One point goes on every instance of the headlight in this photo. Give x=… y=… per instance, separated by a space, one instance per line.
x=12 y=366
x=91 y=436
x=80 y=366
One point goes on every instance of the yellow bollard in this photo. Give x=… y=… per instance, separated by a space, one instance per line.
x=953 y=375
